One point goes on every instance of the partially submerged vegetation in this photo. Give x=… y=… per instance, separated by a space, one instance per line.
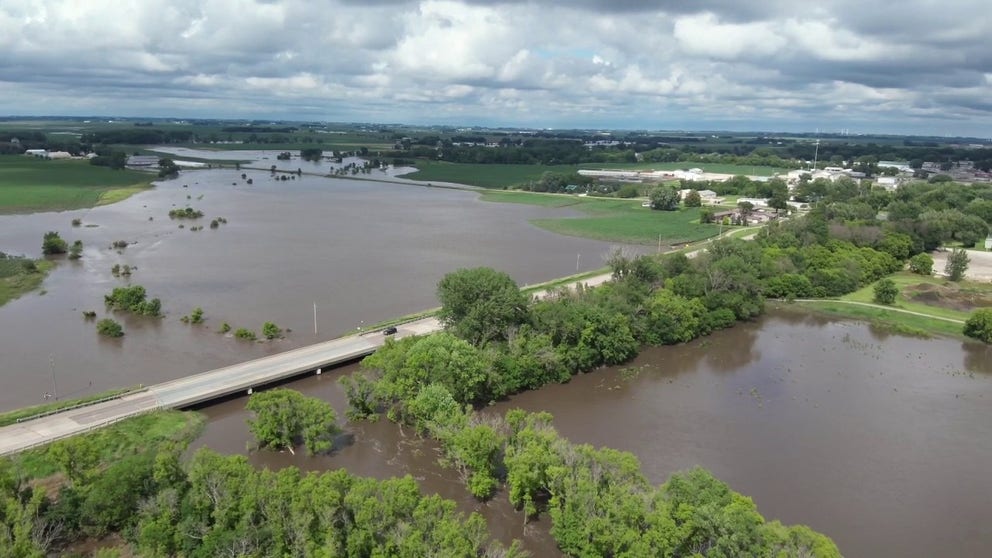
x=133 y=299
x=20 y=275
x=497 y=344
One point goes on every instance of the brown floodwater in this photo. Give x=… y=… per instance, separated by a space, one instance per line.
x=361 y=251
x=880 y=441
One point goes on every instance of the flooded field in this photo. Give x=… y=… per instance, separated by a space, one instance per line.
x=361 y=251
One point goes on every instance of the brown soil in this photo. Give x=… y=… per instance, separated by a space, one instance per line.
x=946 y=296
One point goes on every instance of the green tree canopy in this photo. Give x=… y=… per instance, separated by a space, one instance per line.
x=481 y=304
x=283 y=416
x=665 y=198
x=979 y=325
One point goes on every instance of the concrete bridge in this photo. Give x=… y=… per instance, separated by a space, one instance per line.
x=188 y=391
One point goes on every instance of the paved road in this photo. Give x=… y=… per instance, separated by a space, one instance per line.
x=190 y=390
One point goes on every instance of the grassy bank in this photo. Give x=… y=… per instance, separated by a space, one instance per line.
x=142 y=433
x=894 y=320
x=614 y=220
x=29 y=184
x=15 y=280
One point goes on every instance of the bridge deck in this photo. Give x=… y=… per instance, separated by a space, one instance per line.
x=184 y=392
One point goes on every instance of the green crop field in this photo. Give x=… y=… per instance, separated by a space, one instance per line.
x=28 y=184
x=614 y=220
x=486 y=176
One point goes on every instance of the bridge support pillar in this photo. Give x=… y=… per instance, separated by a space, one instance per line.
x=249 y=391
x=318 y=371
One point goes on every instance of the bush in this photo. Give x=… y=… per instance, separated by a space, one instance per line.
x=957 y=264
x=132 y=299
x=76 y=251
x=53 y=244
x=921 y=264
x=244 y=333
x=225 y=327
x=271 y=330
x=109 y=327
x=886 y=291
x=979 y=325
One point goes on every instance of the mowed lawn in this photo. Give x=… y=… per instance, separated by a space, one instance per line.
x=30 y=184
x=614 y=220
x=484 y=176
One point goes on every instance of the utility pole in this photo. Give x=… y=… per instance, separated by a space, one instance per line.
x=577 y=258
x=55 y=389
x=315 y=318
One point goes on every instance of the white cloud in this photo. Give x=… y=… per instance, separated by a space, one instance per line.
x=703 y=64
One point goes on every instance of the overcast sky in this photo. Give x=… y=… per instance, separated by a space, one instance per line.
x=913 y=66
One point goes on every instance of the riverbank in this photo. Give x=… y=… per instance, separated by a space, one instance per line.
x=16 y=280
x=925 y=305
x=31 y=185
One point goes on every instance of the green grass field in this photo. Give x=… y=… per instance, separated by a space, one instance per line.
x=28 y=184
x=485 y=176
x=905 y=279
x=614 y=220
x=145 y=432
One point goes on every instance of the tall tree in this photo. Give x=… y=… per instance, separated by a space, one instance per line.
x=481 y=304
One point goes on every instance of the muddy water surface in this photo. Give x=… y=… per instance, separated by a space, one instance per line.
x=879 y=441
x=362 y=251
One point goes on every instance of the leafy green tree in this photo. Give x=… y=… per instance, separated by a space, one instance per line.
x=886 y=291
x=283 y=416
x=665 y=198
x=271 y=330
x=979 y=325
x=77 y=457
x=957 y=264
x=692 y=199
x=921 y=264
x=109 y=327
x=53 y=244
x=480 y=305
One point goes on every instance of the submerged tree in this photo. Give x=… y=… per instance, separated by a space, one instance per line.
x=283 y=416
